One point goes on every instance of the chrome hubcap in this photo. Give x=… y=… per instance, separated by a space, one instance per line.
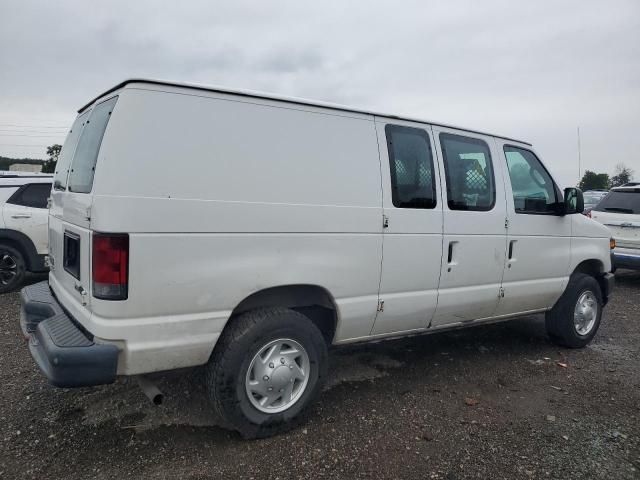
x=585 y=313
x=8 y=269
x=277 y=376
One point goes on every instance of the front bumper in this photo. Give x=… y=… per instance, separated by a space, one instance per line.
x=626 y=260
x=66 y=353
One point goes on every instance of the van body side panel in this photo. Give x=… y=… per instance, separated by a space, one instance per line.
x=221 y=198
x=589 y=241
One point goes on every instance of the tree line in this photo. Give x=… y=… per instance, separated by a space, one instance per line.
x=48 y=165
x=601 y=181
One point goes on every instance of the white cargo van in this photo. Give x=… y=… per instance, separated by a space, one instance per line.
x=247 y=233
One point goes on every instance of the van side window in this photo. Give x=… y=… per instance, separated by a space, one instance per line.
x=533 y=189
x=411 y=165
x=469 y=173
x=86 y=155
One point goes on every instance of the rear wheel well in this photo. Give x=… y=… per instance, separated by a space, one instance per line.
x=310 y=300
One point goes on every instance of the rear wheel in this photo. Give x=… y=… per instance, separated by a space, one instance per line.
x=267 y=368
x=575 y=318
x=12 y=268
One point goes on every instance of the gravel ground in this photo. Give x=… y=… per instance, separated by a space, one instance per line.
x=497 y=402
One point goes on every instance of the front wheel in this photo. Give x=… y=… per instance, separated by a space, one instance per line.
x=575 y=318
x=267 y=368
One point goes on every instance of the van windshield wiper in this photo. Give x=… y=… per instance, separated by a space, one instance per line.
x=618 y=209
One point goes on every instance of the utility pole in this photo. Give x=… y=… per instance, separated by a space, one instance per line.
x=579 y=158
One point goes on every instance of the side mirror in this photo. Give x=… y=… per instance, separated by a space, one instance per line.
x=573 y=201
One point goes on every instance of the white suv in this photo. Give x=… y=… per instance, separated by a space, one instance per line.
x=23 y=226
x=620 y=212
x=246 y=233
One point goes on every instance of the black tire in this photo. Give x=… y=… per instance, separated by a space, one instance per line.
x=12 y=268
x=560 y=319
x=227 y=369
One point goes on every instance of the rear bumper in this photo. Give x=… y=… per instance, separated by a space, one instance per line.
x=626 y=260
x=65 y=353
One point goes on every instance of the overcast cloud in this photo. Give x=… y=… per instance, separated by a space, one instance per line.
x=531 y=70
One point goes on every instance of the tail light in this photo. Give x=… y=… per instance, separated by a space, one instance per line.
x=612 y=243
x=110 y=266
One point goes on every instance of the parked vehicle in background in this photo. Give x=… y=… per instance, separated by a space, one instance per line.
x=620 y=212
x=591 y=199
x=305 y=225
x=23 y=226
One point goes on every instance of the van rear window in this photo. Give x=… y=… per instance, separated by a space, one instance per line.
x=86 y=155
x=621 y=201
x=68 y=149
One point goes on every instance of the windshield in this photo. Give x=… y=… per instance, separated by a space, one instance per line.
x=592 y=198
x=622 y=201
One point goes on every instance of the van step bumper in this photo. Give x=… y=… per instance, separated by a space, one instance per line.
x=65 y=353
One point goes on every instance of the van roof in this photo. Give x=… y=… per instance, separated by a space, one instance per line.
x=628 y=187
x=294 y=100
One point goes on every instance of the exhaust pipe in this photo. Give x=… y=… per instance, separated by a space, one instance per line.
x=150 y=389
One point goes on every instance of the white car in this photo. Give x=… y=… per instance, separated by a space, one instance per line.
x=620 y=212
x=246 y=233
x=591 y=199
x=23 y=226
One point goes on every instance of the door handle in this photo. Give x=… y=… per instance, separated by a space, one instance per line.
x=510 y=258
x=450 y=256
x=21 y=215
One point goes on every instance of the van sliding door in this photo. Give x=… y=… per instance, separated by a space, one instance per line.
x=412 y=239
x=474 y=227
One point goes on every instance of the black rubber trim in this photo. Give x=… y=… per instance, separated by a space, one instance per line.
x=37 y=304
x=66 y=353
x=607 y=284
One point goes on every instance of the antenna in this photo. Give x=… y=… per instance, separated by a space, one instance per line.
x=579 y=158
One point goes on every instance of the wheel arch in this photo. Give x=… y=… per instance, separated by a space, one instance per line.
x=313 y=301
x=596 y=269
x=593 y=267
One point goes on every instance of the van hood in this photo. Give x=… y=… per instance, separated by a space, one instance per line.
x=585 y=227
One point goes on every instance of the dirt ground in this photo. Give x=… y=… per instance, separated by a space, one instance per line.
x=491 y=402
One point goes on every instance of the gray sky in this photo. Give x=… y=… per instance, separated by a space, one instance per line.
x=532 y=70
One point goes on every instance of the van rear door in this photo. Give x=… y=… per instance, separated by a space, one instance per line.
x=70 y=215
